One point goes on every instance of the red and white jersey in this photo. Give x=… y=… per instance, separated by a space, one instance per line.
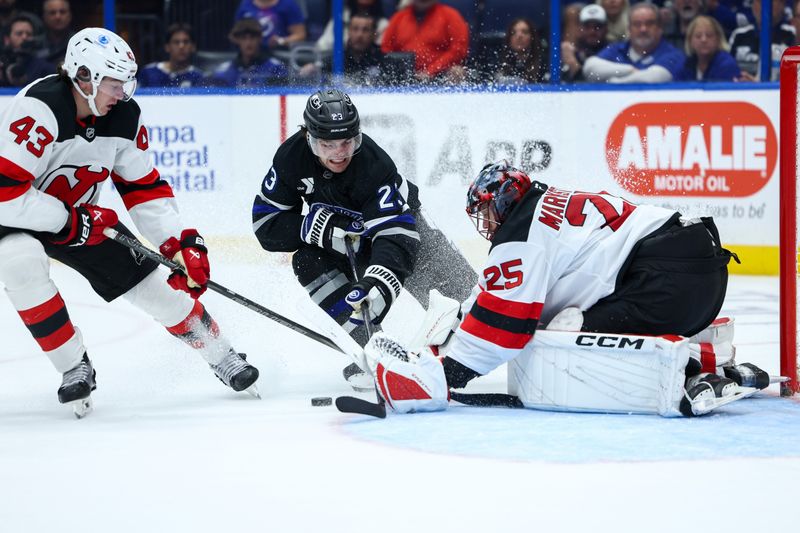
x=557 y=249
x=49 y=158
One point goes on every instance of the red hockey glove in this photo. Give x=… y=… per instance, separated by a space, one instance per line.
x=191 y=253
x=85 y=226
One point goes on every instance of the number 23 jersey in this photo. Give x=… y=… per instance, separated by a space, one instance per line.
x=557 y=249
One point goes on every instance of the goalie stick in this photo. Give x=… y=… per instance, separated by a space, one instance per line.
x=137 y=246
x=351 y=404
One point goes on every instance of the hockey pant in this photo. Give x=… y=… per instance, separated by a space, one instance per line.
x=673 y=282
x=113 y=271
x=327 y=276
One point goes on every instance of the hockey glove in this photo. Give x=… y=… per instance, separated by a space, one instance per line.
x=378 y=289
x=191 y=253
x=85 y=226
x=326 y=229
x=408 y=382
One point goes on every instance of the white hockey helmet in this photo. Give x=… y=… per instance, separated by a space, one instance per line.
x=97 y=53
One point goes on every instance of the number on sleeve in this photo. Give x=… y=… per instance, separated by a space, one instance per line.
x=22 y=132
x=504 y=276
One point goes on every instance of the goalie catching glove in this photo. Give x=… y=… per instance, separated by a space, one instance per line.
x=378 y=289
x=191 y=254
x=328 y=230
x=85 y=225
x=407 y=381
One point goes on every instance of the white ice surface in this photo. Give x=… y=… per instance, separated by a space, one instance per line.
x=169 y=449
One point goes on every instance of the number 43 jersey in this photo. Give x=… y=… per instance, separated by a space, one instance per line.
x=557 y=249
x=48 y=158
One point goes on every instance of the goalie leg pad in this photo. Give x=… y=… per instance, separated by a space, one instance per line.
x=408 y=382
x=600 y=372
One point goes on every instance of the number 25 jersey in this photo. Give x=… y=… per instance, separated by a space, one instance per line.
x=557 y=249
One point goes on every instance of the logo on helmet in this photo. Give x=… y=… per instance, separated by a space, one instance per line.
x=102 y=40
x=315 y=102
x=130 y=56
x=347 y=99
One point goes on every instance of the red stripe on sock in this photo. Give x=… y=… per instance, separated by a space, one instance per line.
x=57 y=338
x=708 y=359
x=34 y=315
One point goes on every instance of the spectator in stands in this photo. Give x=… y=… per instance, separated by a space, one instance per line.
x=282 y=22
x=707 y=56
x=57 y=16
x=591 y=39
x=177 y=70
x=373 y=8
x=362 y=57
x=9 y=11
x=522 y=57
x=18 y=62
x=677 y=18
x=745 y=41
x=570 y=25
x=616 y=18
x=436 y=33
x=645 y=58
x=253 y=66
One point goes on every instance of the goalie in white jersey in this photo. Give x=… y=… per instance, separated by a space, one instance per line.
x=577 y=261
x=61 y=137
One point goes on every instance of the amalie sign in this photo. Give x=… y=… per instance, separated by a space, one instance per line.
x=692 y=149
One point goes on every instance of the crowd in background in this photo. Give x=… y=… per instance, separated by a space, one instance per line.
x=421 y=42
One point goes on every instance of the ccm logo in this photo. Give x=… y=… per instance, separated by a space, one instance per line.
x=609 y=341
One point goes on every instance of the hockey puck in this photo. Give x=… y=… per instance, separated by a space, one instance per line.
x=321 y=401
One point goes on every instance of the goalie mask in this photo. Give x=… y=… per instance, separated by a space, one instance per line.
x=102 y=58
x=493 y=194
x=332 y=124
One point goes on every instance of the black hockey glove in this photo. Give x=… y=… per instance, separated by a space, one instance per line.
x=379 y=288
x=326 y=229
x=85 y=226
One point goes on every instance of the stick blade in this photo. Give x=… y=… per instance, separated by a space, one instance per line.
x=351 y=404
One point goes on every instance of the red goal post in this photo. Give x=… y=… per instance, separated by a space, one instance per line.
x=789 y=174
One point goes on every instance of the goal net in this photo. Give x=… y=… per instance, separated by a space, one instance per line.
x=789 y=174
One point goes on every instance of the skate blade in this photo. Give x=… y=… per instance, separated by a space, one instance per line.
x=778 y=379
x=705 y=406
x=252 y=390
x=82 y=407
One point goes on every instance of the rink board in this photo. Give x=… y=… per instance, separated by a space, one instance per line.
x=701 y=152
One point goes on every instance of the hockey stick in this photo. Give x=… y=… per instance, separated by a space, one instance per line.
x=490 y=399
x=137 y=246
x=351 y=404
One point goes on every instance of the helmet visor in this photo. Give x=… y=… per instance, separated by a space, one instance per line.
x=334 y=148
x=121 y=90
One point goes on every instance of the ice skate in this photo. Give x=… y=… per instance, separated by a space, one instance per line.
x=748 y=375
x=705 y=392
x=76 y=387
x=235 y=372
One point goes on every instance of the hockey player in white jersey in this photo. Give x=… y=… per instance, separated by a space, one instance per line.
x=585 y=262
x=61 y=137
